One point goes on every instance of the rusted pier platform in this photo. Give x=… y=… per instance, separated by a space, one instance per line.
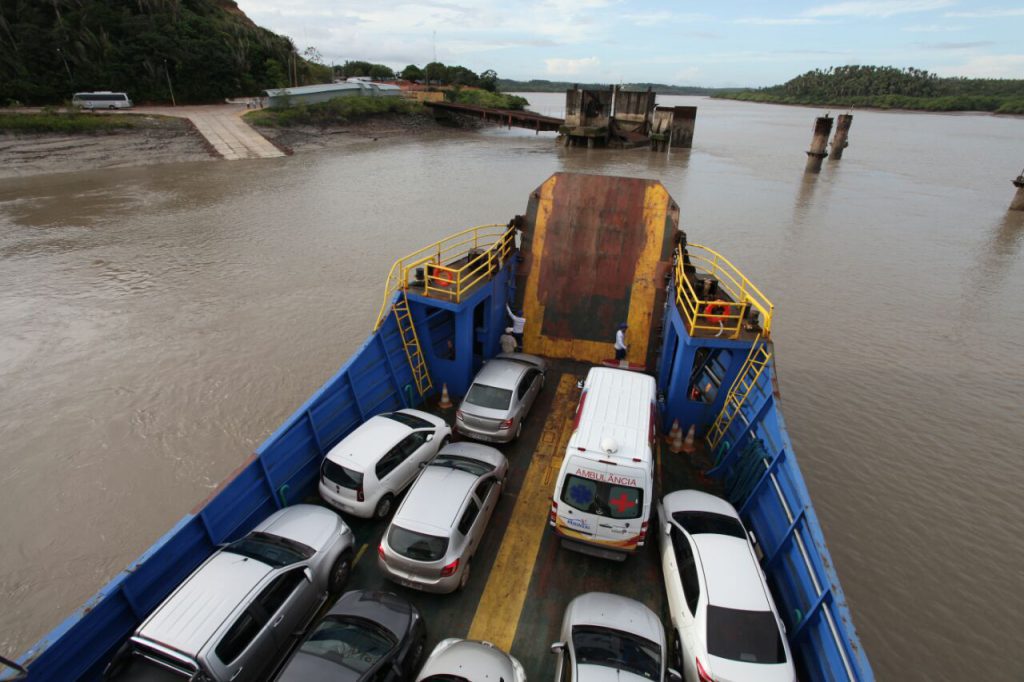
x=508 y=117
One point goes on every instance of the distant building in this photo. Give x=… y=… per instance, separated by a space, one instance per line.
x=311 y=94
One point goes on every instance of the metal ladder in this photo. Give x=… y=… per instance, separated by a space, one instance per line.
x=411 y=343
x=755 y=364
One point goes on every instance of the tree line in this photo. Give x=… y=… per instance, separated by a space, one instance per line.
x=201 y=50
x=434 y=73
x=889 y=87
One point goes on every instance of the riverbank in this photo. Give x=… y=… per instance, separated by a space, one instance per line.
x=153 y=139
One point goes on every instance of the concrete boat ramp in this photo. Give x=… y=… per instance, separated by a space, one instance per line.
x=224 y=129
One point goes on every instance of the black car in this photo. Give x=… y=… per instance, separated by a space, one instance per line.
x=366 y=635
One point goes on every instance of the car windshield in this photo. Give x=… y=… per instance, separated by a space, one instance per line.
x=616 y=649
x=417 y=546
x=696 y=523
x=475 y=467
x=346 y=478
x=491 y=397
x=749 y=636
x=412 y=421
x=602 y=498
x=351 y=642
x=270 y=549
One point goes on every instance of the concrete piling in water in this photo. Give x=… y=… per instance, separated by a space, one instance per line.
x=1018 y=199
x=822 y=127
x=684 y=120
x=839 y=141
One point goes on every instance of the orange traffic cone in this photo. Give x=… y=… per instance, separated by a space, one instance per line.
x=445 y=402
x=688 y=446
x=675 y=437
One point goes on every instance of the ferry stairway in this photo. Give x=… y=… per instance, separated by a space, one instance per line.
x=737 y=400
x=411 y=344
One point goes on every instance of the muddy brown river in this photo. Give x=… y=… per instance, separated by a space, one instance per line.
x=157 y=323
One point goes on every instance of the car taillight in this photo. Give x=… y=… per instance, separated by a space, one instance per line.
x=507 y=424
x=458 y=415
x=553 y=514
x=702 y=674
x=643 y=532
x=450 y=569
x=359 y=494
x=380 y=552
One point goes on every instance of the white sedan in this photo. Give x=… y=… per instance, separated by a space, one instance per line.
x=722 y=612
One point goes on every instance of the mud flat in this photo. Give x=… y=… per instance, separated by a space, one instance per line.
x=387 y=127
x=154 y=140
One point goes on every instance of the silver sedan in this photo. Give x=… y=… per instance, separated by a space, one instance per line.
x=432 y=538
x=500 y=397
x=602 y=631
x=465 y=659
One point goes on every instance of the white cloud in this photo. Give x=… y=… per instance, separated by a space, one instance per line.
x=873 y=8
x=790 y=21
x=569 y=67
x=932 y=28
x=987 y=14
x=990 y=66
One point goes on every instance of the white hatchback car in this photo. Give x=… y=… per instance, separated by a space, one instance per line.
x=611 y=637
x=466 y=660
x=725 y=623
x=364 y=473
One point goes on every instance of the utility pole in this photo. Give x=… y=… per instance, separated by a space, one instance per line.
x=169 y=86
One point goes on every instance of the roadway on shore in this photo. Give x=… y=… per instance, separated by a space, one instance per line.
x=223 y=128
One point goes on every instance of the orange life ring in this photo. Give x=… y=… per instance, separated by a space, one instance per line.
x=442 y=278
x=717 y=311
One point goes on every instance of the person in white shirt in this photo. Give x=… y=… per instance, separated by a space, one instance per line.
x=620 y=343
x=518 y=324
x=507 y=341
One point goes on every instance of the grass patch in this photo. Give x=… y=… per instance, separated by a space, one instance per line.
x=483 y=98
x=334 y=111
x=64 y=122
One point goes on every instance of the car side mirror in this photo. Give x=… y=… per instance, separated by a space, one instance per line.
x=674 y=676
x=430 y=437
x=422 y=465
x=557 y=647
x=308 y=572
x=668 y=529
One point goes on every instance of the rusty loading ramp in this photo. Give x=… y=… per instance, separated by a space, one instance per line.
x=596 y=252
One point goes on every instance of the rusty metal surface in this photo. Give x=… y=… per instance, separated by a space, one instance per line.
x=596 y=251
x=588 y=108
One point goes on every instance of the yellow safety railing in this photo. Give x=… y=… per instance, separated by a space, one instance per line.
x=746 y=379
x=451 y=266
x=716 y=314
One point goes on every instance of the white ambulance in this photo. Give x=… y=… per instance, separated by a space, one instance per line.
x=603 y=496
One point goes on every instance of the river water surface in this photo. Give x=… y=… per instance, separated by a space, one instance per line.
x=157 y=323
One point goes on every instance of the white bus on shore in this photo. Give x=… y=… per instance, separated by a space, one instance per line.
x=103 y=99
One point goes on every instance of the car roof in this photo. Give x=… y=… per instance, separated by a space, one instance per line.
x=310 y=524
x=364 y=446
x=477 y=661
x=187 y=619
x=697 y=500
x=731 y=573
x=501 y=373
x=434 y=501
x=618 y=406
x=616 y=612
x=384 y=608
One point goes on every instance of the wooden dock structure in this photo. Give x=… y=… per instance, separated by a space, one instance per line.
x=507 y=117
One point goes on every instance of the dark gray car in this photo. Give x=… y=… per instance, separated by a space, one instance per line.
x=500 y=396
x=365 y=636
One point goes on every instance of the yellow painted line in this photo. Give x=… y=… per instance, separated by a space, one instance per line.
x=497 y=614
x=359 y=554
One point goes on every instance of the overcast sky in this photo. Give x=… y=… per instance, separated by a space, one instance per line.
x=721 y=43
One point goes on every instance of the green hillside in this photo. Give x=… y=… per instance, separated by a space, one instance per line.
x=207 y=49
x=887 y=87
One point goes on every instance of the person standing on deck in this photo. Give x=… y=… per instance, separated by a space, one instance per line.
x=507 y=341
x=620 y=344
x=518 y=324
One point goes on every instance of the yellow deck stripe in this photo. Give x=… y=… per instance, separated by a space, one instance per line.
x=497 y=614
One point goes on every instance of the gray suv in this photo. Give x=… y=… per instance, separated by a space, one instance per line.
x=239 y=613
x=436 y=531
